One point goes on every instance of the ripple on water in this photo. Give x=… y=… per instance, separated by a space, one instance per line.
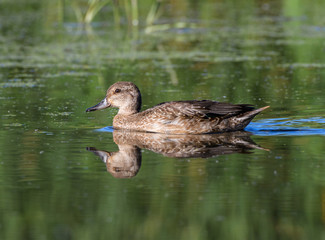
x=288 y=127
x=13 y=83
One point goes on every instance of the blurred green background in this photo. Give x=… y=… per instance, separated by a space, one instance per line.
x=58 y=57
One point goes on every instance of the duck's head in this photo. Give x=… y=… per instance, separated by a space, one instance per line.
x=123 y=95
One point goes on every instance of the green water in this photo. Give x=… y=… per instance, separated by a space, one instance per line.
x=52 y=67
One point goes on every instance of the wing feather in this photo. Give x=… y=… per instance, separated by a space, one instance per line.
x=203 y=108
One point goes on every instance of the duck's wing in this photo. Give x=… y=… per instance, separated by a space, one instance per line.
x=204 y=108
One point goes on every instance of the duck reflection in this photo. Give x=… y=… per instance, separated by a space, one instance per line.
x=122 y=164
x=126 y=162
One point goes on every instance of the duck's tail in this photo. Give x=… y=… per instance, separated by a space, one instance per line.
x=252 y=114
x=247 y=117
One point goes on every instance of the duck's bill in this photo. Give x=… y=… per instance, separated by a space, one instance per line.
x=102 y=105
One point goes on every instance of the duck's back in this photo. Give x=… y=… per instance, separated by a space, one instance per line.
x=187 y=117
x=206 y=108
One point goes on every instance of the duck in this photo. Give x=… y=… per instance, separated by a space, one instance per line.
x=174 y=117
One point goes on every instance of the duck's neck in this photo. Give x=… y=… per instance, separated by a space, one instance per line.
x=131 y=106
x=127 y=111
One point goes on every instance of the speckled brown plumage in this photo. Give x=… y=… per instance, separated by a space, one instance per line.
x=177 y=117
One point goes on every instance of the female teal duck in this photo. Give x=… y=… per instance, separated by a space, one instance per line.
x=177 y=117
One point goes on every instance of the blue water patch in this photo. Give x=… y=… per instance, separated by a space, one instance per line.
x=105 y=129
x=287 y=127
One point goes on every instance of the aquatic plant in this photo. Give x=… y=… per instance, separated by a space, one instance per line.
x=86 y=12
x=92 y=9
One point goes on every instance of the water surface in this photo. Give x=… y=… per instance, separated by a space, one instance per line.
x=265 y=184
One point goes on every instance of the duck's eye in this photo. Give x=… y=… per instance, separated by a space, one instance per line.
x=117 y=90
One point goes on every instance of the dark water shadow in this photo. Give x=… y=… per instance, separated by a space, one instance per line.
x=126 y=162
x=287 y=127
